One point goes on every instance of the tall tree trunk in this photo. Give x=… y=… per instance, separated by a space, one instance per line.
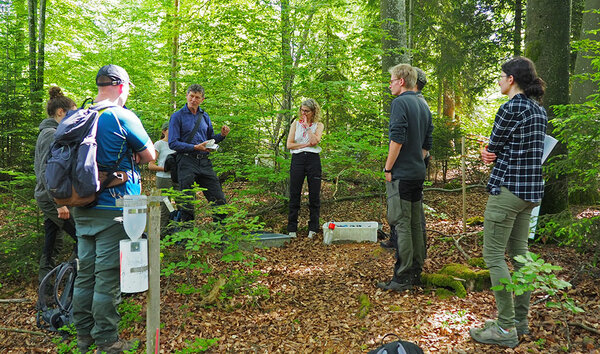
x=584 y=87
x=289 y=62
x=577 y=7
x=174 y=55
x=409 y=18
x=393 y=23
x=39 y=80
x=449 y=103
x=547 y=44
x=518 y=27
x=31 y=10
x=285 y=104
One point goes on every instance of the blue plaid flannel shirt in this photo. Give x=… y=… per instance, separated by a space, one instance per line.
x=517 y=139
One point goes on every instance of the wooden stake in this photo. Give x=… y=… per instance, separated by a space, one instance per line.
x=464 y=185
x=153 y=305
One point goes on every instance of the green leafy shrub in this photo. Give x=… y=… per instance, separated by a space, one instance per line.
x=582 y=233
x=20 y=233
x=198 y=346
x=536 y=274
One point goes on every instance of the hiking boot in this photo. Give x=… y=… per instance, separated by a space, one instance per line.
x=292 y=234
x=491 y=333
x=416 y=279
x=522 y=327
x=395 y=286
x=388 y=244
x=117 y=347
x=84 y=343
x=311 y=234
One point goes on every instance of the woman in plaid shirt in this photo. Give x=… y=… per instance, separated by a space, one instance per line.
x=516 y=186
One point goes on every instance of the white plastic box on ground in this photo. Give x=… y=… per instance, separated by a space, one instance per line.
x=358 y=231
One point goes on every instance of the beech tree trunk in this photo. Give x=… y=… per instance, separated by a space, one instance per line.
x=394 y=41
x=547 y=44
x=518 y=27
x=582 y=88
x=32 y=14
x=174 y=55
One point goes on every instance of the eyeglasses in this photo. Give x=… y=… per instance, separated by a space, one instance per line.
x=500 y=77
x=306 y=111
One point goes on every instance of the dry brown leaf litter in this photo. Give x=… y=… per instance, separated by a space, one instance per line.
x=315 y=292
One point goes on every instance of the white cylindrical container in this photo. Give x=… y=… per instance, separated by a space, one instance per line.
x=134 y=265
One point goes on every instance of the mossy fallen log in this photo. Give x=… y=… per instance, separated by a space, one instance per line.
x=458 y=278
x=444 y=281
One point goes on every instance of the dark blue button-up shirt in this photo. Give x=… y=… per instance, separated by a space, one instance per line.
x=181 y=125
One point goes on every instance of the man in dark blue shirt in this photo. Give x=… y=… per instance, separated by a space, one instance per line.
x=193 y=164
x=410 y=140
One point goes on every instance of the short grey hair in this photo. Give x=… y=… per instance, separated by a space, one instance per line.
x=196 y=88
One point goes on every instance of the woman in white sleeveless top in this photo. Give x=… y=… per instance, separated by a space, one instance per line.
x=303 y=139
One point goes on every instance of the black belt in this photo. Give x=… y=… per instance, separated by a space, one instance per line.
x=306 y=153
x=197 y=156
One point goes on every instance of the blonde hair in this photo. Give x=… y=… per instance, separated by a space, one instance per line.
x=314 y=107
x=406 y=72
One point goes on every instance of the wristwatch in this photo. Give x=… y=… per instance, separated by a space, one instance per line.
x=386 y=171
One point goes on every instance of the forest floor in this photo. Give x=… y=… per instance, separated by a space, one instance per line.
x=315 y=293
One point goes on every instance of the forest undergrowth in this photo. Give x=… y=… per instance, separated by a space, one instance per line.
x=308 y=297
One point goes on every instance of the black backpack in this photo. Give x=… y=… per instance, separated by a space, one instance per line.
x=57 y=311
x=72 y=174
x=397 y=347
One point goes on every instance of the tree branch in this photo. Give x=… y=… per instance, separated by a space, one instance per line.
x=18 y=330
x=12 y=301
x=587 y=328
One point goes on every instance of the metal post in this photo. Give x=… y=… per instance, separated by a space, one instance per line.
x=153 y=305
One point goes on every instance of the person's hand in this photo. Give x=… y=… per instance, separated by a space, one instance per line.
x=486 y=156
x=136 y=157
x=303 y=123
x=388 y=176
x=201 y=146
x=225 y=130
x=63 y=213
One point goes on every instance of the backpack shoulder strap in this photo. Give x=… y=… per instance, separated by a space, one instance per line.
x=196 y=126
x=43 y=305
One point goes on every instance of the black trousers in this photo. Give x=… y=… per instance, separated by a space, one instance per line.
x=193 y=168
x=53 y=244
x=305 y=165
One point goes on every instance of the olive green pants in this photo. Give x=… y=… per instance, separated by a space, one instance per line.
x=97 y=292
x=506 y=229
x=404 y=209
